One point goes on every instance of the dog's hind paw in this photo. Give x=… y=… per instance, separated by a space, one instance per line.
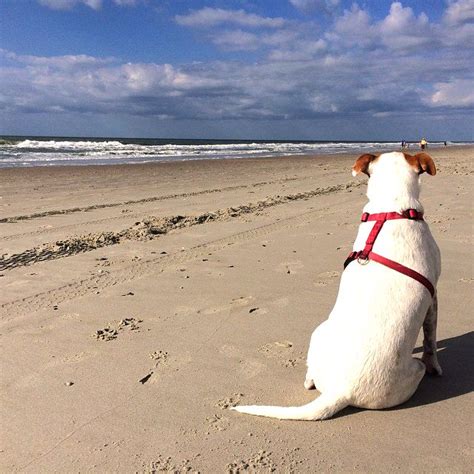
x=432 y=365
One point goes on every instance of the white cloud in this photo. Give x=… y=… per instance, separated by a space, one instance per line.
x=94 y=4
x=81 y=61
x=236 y=40
x=207 y=17
x=126 y=3
x=308 y=6
x=279 y=38
x=354 y=26
x=401 y=29
x=322 y=103
x=299 y=50
x=328 y=85
x=459 y=13
x=240 y=40
x=400 y=17
x=457 y=93
x=69 y=4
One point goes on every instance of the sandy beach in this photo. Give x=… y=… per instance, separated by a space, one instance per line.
x=140 y=302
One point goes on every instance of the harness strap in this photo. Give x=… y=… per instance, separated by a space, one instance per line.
x=369 y=243
x=366 y=254
x=411 y=214
x=402 y=269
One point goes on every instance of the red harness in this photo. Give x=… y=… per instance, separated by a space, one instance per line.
x=363 y=256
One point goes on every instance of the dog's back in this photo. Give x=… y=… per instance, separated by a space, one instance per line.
x=374 y=325
x=362 y=355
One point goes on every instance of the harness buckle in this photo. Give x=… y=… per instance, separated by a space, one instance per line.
x=412 y=214
x=364 y=217
x=362 y=259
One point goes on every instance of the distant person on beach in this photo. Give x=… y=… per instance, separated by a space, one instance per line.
x=404 y=144
x=445 y=143
x=423 y=144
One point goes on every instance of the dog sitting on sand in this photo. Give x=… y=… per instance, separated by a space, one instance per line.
x=361 y=355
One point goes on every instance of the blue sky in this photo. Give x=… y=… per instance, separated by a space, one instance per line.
x=270 y=69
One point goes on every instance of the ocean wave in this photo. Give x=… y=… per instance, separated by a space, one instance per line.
x=34 y=152
x=67 y=145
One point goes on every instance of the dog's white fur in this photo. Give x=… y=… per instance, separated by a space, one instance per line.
x=362 y=354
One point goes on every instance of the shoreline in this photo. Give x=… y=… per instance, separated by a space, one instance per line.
x=304 y=157
x=137 y=154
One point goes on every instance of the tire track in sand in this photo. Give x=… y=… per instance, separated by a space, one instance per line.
x=150 y=228
x=82 y=287
x=92 y=207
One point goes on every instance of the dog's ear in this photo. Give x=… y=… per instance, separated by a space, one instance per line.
x=362 y=164
x=421 y=162
x=426 y=163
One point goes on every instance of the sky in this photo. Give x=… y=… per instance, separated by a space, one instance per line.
x=262 y=69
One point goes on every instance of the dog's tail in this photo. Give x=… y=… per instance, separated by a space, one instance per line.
x=323 y=407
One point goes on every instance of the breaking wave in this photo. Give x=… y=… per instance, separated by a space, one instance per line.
x=53 y=151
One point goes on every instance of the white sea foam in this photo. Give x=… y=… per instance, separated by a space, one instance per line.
x=31 y=152
x=68 y=145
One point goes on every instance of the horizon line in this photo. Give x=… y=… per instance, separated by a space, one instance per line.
x=326 y=140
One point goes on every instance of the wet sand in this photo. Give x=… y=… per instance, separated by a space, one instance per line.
x=139 y=302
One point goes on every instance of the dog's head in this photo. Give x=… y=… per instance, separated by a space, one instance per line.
x=419 y=163
x=394 y=177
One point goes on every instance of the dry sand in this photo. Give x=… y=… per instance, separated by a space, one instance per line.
x=140 y=302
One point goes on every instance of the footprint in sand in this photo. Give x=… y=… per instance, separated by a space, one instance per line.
x=167 y=464
x=161 y=359
x=111 y=332
x=261 y=461
x=291 y=363
x=227 y=402
x=238 y=302
x=218 y=422
x=276 y=349
x=75 y=358
x=106 y=334
x=165 y=363
x=283 y=351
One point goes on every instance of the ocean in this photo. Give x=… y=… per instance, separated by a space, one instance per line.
x=61 y=151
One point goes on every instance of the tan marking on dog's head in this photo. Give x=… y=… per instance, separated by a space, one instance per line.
x=421 y=162
x=362 y=164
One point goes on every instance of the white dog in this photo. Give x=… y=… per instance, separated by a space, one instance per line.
x=362 y=354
